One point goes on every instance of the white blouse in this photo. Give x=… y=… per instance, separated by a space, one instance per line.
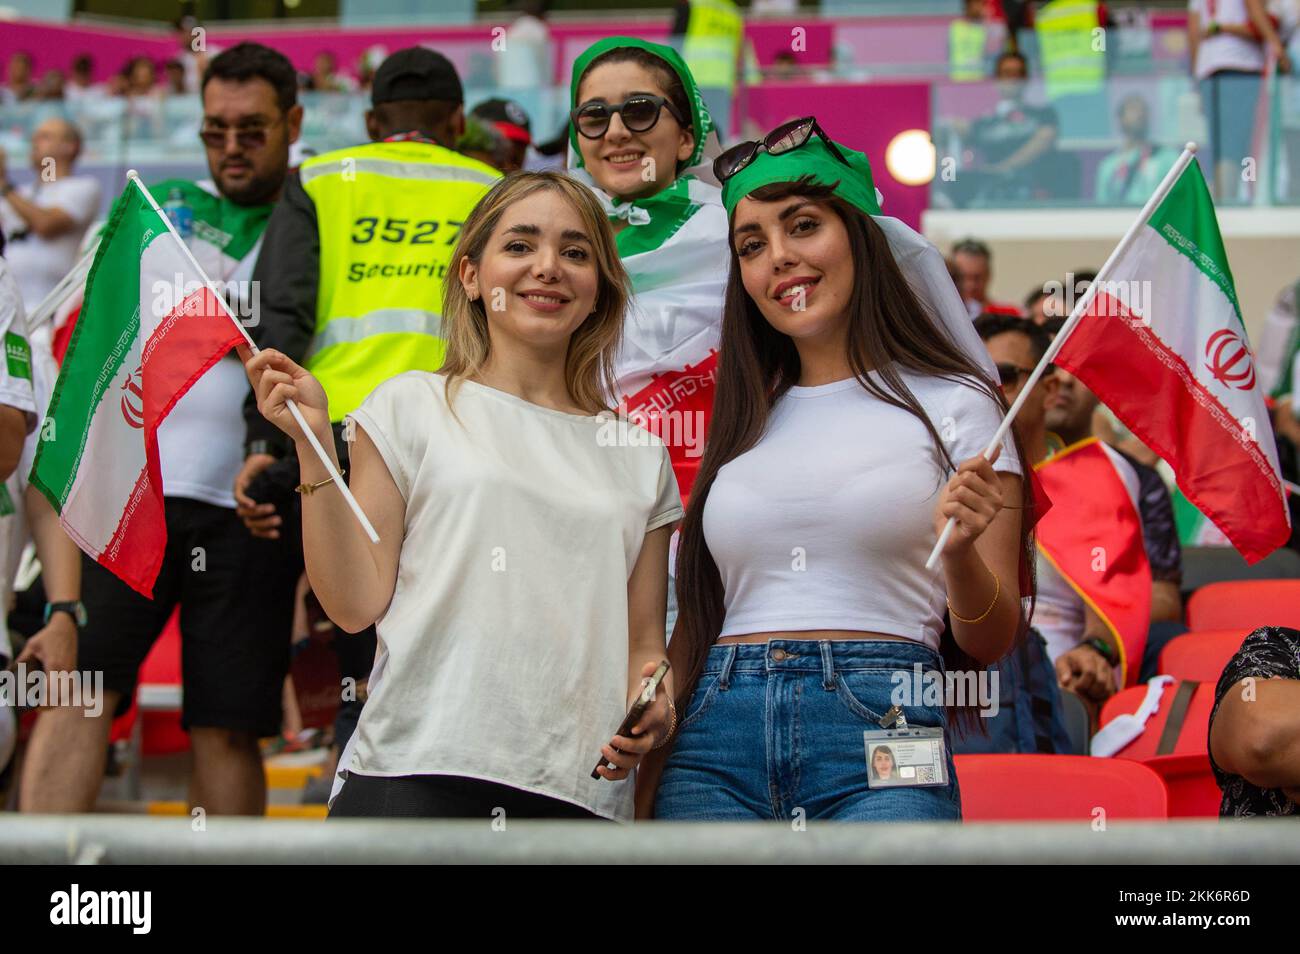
x=504 y=652
x=827 y=522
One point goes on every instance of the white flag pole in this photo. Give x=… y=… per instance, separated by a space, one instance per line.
x=1080 y=307
x=292 y=405
x=59 y=293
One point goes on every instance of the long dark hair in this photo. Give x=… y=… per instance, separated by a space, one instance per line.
x=757 y=365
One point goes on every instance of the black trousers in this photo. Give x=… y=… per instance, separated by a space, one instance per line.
x=444 y=796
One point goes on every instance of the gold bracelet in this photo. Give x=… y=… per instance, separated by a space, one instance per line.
x=996 y=593
x=308 y=489
x=672 y=726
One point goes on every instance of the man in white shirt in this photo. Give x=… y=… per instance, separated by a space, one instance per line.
x=235 y=593
x=26 y=514
x=44 y=221
x=17 y=420
x=17 y=400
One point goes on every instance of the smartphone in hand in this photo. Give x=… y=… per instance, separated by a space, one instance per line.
x=639 y=706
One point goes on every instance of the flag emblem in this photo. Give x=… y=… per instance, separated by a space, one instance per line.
x=1224 y=352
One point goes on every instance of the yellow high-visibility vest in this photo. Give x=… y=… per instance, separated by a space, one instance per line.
x=966 y=51
x=1073 y=59
x=388 y=215
x=712 y=44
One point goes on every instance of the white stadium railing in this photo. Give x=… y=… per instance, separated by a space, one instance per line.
x=125 y=839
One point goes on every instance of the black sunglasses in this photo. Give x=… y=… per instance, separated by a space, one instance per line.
x=1010 y=374
x=784 y=138
x=248 y=137
x=640 y=113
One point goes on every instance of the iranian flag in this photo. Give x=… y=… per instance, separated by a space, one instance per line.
x=150 y=325
x=1163 y=345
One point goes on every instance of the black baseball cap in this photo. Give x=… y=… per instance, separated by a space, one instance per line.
x=416 y=73
x=508 y=116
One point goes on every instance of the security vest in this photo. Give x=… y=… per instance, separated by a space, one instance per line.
x=966 y=51
x=1067 y=31
x=388 y=215
x=714 y=34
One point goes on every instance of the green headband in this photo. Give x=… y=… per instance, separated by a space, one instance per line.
x=701 y=121
x=813 y=159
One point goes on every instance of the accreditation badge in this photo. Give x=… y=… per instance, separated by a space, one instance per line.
x=905 y=757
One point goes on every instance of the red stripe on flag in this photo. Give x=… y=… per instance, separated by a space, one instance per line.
x=135 y=551
x=187 y=342
x=1221 y=470
x=190 y=339
x=675 y=406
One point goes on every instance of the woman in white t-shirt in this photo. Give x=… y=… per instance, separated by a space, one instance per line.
x=519 y=582
x=850 y=388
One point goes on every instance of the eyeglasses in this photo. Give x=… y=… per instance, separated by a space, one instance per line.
x=640 y=113
x=1010 y=374
x=246 y=137
x=784 y=138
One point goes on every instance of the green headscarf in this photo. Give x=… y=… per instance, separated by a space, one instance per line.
x=701 y=121
x=813 y=159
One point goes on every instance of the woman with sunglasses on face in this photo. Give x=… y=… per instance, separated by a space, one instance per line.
x=853 y=405
x=518 y=585
x=638 y=123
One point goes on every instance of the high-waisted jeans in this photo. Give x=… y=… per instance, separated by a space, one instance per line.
x=775 y=728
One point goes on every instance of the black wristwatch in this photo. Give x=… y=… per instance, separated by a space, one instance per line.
x=74 y=608
x=6 y=188
x=262 y=446
x=1102 y=647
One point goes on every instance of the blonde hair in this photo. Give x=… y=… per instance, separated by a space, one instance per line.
x=589 y=362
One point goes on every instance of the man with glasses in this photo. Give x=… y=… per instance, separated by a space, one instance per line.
x=1057 y=415
x=235 y=592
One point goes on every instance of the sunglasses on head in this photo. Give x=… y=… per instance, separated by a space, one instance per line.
x=639 y=113
x=247 y=137
x=782 y=139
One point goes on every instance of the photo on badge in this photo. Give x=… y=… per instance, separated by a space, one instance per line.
x=902 y=758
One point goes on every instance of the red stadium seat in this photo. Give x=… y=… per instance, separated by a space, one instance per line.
x=1189 y=780
x=1245 y=605
x=1193 y=792
x=1201 y=656
x=1057 y=788
x=1193 y=738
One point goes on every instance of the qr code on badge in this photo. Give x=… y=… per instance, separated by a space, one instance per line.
x=924 y=773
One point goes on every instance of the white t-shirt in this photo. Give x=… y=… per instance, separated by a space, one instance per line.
x=504 y=652
x=1224 y=51
x=39 y=263
x=26 y=377
x=827 y=522
x=1058 y=608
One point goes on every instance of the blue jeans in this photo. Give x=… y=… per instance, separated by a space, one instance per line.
x=774 y=728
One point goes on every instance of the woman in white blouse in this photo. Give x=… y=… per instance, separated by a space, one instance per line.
x=519 y=582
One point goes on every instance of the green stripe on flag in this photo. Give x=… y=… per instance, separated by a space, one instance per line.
x=1186 y=220
x=107 y=327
